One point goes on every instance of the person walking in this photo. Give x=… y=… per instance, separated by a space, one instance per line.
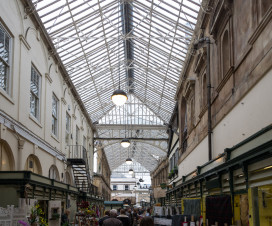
x=65 y=217
x=107 y=215
x=147 y=221
x=135 y=218
x=124 y=218
x=112 y=220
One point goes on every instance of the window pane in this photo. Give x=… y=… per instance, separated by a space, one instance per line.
x=68 y=120
x=3 y=76
x=54 y=115
x=35 y=93
x=4 y=58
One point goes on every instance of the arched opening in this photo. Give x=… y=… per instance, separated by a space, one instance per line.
x=54 y=173
x=225 y=53
x=204 y=91
x=192 y=112
x=33 y=164
x=67 y=178
x=183 y=124
x=6 y=157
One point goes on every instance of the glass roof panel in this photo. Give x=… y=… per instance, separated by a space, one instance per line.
x=142 y=43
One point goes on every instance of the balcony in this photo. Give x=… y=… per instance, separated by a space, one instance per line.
x=77 y=155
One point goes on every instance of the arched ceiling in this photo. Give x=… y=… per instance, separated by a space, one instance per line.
x=140 y=45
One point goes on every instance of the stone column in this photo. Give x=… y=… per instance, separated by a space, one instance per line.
x=20 y=150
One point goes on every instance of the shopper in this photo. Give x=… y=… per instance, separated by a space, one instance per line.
x=65 y=217
x=148 y=214
x=147 y=221
x=107 y=215
x=129 y=214
x=112 y=220
x=135 y=218
x=124 y=218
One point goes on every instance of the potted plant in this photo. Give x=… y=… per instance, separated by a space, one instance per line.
x=170 y=175
x=55 y=216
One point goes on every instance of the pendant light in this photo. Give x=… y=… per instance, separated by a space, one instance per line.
x=119 y=97
x=129 y=161
x=125 y=143
x=130 y=171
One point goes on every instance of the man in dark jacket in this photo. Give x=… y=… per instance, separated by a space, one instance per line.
x=124 y=218
x=107 y=215
x=112 y=221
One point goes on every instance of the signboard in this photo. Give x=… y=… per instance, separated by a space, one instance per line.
x=162 y=221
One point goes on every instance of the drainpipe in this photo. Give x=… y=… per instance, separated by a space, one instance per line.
x=207 y=40
x=199 y=44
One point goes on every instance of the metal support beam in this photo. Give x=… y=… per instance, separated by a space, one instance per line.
x=132 y=139
x=131 y=127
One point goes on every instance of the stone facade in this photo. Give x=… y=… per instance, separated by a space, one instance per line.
x=101 y=179
x=240 y=69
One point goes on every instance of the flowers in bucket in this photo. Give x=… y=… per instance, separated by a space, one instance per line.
x=37 y=216
x=89 y=212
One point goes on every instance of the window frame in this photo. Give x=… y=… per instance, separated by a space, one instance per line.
x=10 y=59
x=114 y=187
x=126 y=187
x=38 y=116
x=55 y=118
x=84 y=142
x=77 y=135
x=67 y=132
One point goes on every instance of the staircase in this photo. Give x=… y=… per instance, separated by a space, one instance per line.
x=77 y=158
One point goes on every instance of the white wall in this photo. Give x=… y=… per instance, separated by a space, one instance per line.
x=250 y=115
x=17 y=104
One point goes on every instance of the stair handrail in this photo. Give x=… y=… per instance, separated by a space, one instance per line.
x=85 y=158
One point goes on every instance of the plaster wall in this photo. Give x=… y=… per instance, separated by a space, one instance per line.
x=29 y=48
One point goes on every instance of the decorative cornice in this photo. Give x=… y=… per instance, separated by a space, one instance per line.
x=48 y=77
x=24 y=41
x=222 y=11
x=74 y=116
x=267 y=18
x=200 y=60
x=189 y=87
x=63 y=101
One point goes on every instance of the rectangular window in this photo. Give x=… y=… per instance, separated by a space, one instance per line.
x=126 y=187
x=114 y=187
x=55 y=106
x=84 y=142
x=77 y=135
x=176 y=158
x=5 y=59
x=67 y=128
x=35 y=86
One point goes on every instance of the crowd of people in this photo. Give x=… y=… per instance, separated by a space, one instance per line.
x=127 y=217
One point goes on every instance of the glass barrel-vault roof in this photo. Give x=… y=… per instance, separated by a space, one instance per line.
x=139 y=45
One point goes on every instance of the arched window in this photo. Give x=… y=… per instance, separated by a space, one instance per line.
x=67 y=178
x=183 y=124
x=192 y=111
x=33 y=164
x=54 y=173
x=204 y=90
x=225 y=53
x=265 y=5
x=6 y=158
